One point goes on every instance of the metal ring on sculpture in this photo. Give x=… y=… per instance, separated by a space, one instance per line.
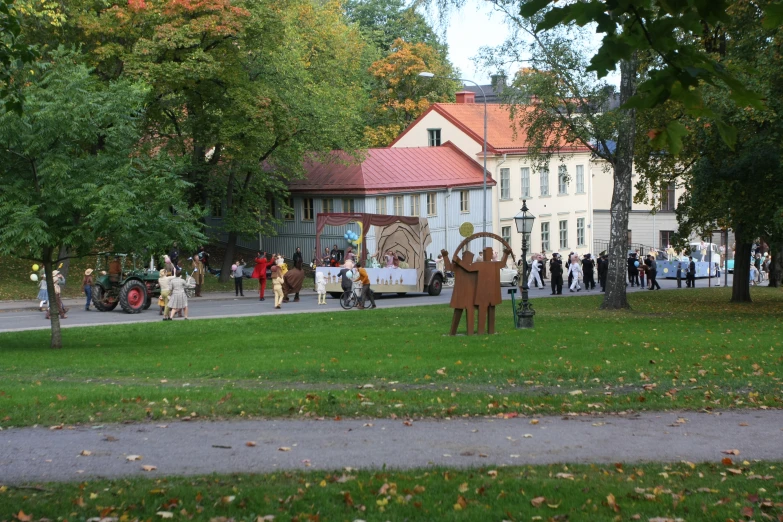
x=489 y=235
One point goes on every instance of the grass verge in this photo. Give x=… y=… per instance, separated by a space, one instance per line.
x=683 y=491
x=687 y=349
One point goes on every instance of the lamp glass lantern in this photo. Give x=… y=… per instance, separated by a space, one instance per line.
x=524 y=221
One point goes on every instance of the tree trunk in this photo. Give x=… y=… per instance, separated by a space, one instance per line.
x=776 y=265
x=228 y=258
x=616 y=298
x=54 y=311
x=740 y=290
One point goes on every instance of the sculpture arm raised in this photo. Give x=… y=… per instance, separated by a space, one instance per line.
x=446 y=260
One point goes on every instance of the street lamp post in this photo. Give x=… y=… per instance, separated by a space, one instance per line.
x=426 y=74
x=524 y=221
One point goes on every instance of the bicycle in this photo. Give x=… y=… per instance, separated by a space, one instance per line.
x=351 y=298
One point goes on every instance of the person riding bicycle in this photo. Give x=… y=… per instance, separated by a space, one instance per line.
x=346 y=275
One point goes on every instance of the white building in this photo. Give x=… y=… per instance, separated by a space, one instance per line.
x=570 y=199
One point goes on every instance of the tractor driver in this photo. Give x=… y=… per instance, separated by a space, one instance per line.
x=115 y=270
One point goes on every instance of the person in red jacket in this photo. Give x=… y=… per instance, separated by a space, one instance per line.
x=259 y=272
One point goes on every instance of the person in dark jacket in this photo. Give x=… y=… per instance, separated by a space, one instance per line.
x=633 y=270
x=690 y=282
x=588 y=274
x=297 y=256
x=603 y=269
x=556 y=274
x=653 y=273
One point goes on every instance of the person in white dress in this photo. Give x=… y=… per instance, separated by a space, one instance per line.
x=535 y=269
x=575 y=271
x=179 y=299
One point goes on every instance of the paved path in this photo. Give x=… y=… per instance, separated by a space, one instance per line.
x=23 y=315
x=187 y=448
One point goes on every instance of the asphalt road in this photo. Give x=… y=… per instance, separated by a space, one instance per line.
x=17 y=316
x=188 y=448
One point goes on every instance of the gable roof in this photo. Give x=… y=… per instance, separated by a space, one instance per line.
x=502 y=137
x=392 y=170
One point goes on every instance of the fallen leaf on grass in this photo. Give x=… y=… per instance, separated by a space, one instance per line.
x=537 y=502
x=461 y=503
x=726 y=461
x=22 y=517
x=463 y=487
x=56 y=427
x=283 y=448
x=148 y=467
x=731 y=452
x=612 y=502
x=747 y=511
x=85 y=453
x=734 y=471
x=575 y=392
x=61 y=397
x=250 y=444
x=131 y=458
x=492 y=473
x=567 y=476
x=165 y=514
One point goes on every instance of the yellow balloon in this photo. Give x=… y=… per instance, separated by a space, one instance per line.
x=35 y=268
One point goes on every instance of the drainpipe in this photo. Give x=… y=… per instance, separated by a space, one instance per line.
x=446 y=220
x=497 y=201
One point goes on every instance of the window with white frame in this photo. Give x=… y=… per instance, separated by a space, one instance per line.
x=399 y=206
x=580 y=179
x=380 y=205
x=544 y=236
x=328 y=205
x=580 y=232
x=432 y=203
x=505 y=183
x=668 y=201
x=348 y=206
x=288 y=214
x=307 y=209
x=415 y=205
x=464 y=201
x=544 y=174
x=505 y=233
x=433 y=137
x=525 y=182
x=563 y=234
x=562 y=180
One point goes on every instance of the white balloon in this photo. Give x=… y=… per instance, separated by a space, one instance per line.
x=33 y=277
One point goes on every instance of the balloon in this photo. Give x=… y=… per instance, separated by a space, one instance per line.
x=33 y=277
x=233 y=267
x=345 y=236
x=636 y=264
x=35 y=268
x=349 y=273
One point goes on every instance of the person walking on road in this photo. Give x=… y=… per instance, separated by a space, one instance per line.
x=238 y=272
x=556 y=274
x=588 y=270
x=292 y=281
x=198 y=273
x=367 y=293
x=574 y=271
x=259 y=272
x=277 y=283
x=178 y=302
x=43 y=292
x=603 y=269
x=633 y=270
x=164 y=280
x=87 y=288
x=320 y=287
x=535 y=276
x=653 y=275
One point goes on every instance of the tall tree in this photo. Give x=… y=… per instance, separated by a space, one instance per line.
x=74 y=176
x=740 y=187
x=558 y=103
x=243 y=90
x=384 y=21
x=14 y=53
x=399 y=95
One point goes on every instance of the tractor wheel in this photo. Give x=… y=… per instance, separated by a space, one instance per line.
x=148 y=302
x=133 y=296
x=100 y=301
x=435 y=286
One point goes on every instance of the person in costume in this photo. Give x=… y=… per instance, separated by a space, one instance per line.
x=320 y=287
x=259 y=272
x=535 y=277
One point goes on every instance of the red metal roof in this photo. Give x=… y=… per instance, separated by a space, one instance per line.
x=502 y=134
x=392 y=170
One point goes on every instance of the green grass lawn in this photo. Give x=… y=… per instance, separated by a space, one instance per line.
x=676 y=349
x=683 y=491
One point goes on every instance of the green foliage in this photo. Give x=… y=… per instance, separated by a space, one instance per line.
x=680 y=33
x=73 y=172
x=14 y=53
x=384 y=21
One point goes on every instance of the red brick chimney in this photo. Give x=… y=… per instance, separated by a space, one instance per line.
x=466 y=97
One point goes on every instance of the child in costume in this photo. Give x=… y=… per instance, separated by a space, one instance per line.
x=574 y=270
x=277 y=282
x=320 y=287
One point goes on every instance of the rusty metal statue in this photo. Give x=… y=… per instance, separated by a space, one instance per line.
x=463 y=296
